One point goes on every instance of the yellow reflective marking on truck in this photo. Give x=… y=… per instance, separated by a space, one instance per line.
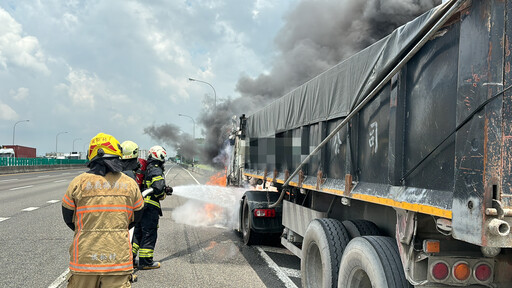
x=426 y=209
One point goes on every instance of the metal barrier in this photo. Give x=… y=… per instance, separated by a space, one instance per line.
x=4 y=161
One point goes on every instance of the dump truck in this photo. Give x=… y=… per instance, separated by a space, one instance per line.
x=394 y=167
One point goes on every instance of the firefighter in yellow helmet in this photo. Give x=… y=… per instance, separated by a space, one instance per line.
x=100 y=206
x=144 y=241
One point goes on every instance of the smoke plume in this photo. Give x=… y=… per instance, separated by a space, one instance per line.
x=317 y=35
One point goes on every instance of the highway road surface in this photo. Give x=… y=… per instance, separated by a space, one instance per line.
x=196 y=244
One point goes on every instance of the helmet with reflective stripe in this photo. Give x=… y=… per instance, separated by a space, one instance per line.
x=104 y=145
x=158 y=153
x=130 y=150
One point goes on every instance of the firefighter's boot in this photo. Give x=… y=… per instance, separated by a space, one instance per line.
x=153 y=265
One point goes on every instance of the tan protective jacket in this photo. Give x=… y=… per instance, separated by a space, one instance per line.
x=103 y=208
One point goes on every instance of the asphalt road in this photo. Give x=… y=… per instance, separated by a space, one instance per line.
x=196 y=244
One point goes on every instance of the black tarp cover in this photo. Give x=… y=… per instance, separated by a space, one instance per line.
x=336 y=91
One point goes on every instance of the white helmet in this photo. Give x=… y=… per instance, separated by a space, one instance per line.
x=158 y=153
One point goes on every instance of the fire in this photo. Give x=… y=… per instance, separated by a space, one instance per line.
x=218 y=179
x=212 y=211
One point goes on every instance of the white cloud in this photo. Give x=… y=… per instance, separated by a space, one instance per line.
x=176 y=85
x=260 y=5
x=6 y=112
x=20 y=94
x=15 y=49
x=86 y=89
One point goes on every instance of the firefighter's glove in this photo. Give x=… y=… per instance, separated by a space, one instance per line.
x=168 y=190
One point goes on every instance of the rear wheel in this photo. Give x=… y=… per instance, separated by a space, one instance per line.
x=322 y=248
x=250 y=237
x=372 y=262
x=357 y=228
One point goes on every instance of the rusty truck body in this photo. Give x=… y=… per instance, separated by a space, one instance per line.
x=394 y=167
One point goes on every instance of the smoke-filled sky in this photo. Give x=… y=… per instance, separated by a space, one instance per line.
x=122 y=67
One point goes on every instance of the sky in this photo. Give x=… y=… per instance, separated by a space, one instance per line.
x=118 y=66
x=122 y=67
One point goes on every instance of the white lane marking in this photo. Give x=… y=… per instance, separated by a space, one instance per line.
x=59 y=279
x=17 y=188
x=30 y=209
x=7 y=180
x=287 y=282
x=291 y=272
x=57 y=181
x=3 y=218
x=191 y=176
x=52 y=201
x=42 y=176
x=66 y=173
x=277 y=250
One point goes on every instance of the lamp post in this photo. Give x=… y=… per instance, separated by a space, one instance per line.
x=56 y=141
x=14 y=129
x=214 y=93
x=193 y=131
x=76 y=139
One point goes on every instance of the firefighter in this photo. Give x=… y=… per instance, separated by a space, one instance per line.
x=100 y=206
x=144 y=243
x=131 y=166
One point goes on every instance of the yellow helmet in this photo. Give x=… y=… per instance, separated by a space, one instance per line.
x=130 y=150
x=104 y=145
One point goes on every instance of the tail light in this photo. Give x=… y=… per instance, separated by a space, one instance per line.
x=461 y=271
x=269 y=213
x=483 y=272
x=440 y=271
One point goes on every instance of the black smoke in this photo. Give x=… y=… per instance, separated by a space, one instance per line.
x=317 y=35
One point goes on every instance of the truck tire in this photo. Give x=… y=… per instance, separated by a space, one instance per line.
x=250 y=237
x=372 y=261
x=357 y=228
x=322 y=248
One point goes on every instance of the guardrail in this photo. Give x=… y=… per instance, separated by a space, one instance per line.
x=4 y=161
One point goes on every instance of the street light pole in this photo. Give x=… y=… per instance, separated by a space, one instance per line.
x=56 y=141
x=74 y=143
x=214 y=93
x=194 y=131
x=14 y=129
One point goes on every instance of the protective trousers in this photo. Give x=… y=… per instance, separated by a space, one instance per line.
x=144 y=236
x=103 y=281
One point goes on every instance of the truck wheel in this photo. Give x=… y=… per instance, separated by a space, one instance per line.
x=250 y=237
x=372 y=261
x=322 y=249
x=357 y=228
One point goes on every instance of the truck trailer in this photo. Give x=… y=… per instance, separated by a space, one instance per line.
x=22 y=151
x=394 y=167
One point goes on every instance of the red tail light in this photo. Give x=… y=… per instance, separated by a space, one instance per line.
x=483 y=272
x=265 y=213
x=440 y=271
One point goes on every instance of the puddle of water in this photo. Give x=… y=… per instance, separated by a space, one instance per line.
x=208 y=206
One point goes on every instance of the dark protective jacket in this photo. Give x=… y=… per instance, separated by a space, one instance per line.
x=155 y=179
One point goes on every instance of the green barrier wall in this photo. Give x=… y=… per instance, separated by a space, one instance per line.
x=38 y=161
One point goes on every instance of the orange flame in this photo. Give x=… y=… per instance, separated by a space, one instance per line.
x=218 y=179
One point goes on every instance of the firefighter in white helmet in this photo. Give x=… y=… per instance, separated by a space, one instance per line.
x=100 y=206
x=144 y=243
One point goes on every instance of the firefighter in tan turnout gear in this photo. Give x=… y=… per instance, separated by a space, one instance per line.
x=144 y=239
x=100 y=206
